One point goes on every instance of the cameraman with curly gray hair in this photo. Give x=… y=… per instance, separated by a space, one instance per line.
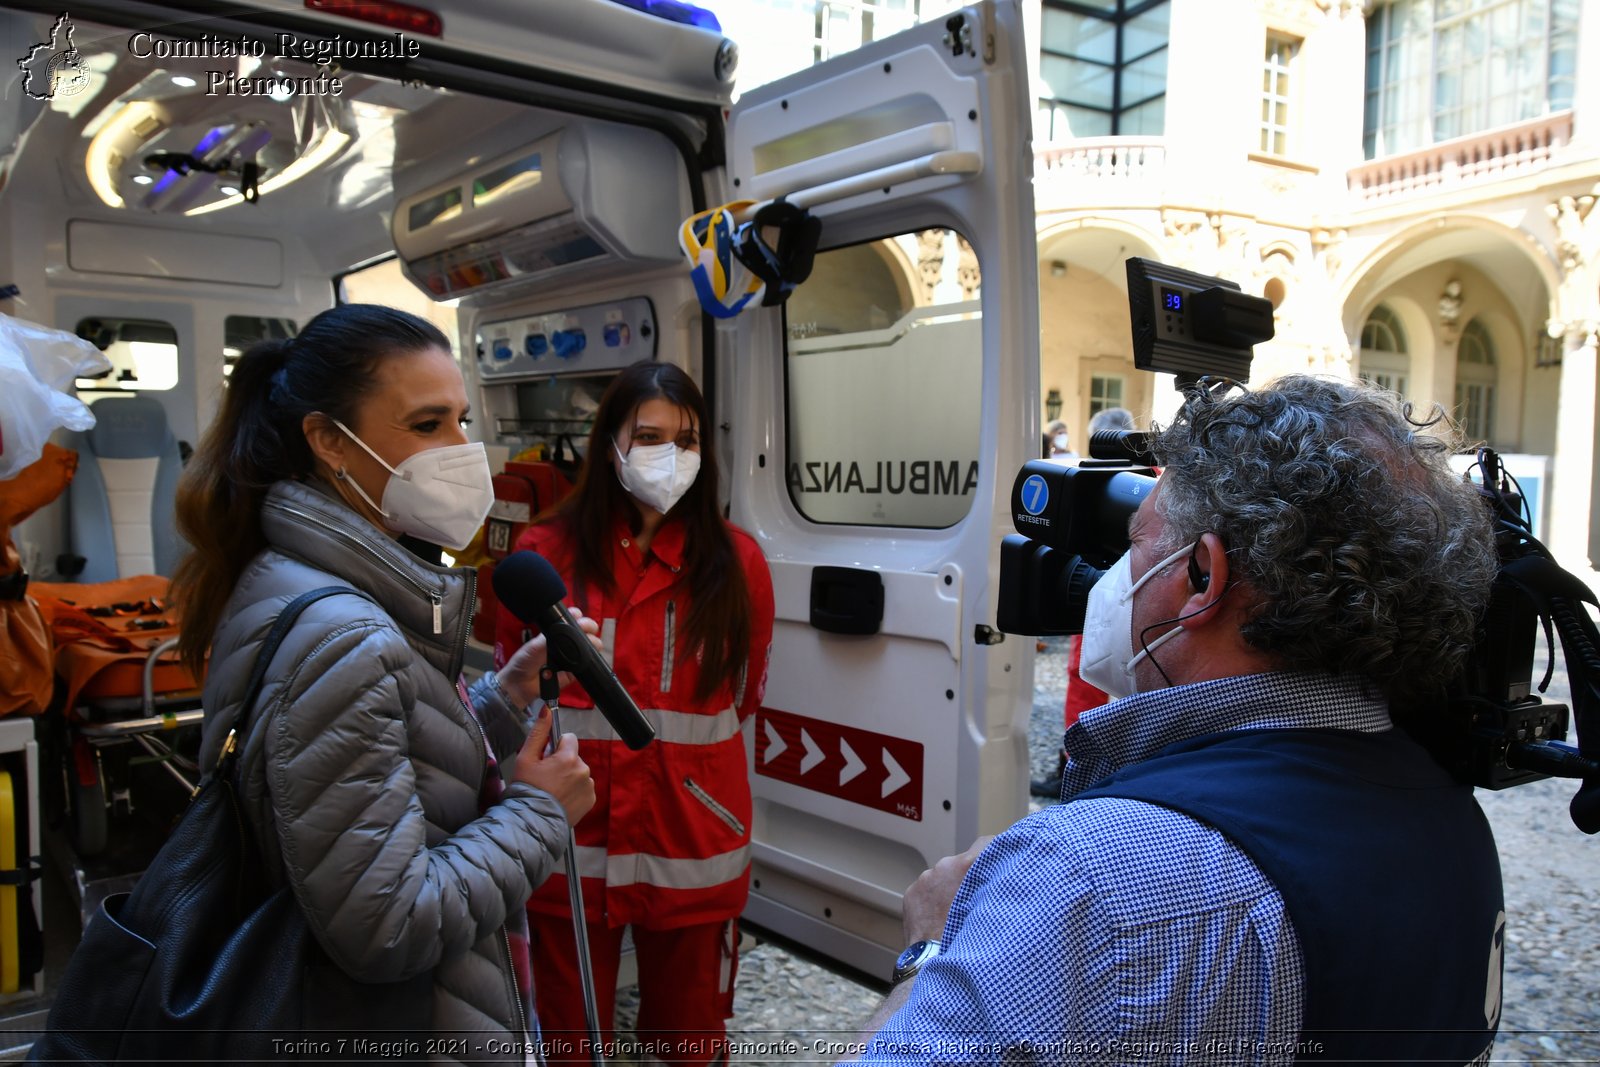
x=1253 y=865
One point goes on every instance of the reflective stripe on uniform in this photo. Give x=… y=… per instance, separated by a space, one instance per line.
x=664 y=872
x=730 y=952
x=668 y=641
x=673 y=727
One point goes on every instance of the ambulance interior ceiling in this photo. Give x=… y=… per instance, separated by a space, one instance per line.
x=327 y=166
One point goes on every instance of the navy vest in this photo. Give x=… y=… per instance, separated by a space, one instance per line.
x=1388 y=870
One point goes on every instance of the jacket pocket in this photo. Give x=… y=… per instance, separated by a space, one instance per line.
x=711 y=805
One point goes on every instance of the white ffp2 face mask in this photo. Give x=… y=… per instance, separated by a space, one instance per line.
x=439 y=494
x=1108 y=659
x=657 y=475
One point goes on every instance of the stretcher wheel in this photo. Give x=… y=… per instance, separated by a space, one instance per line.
x=90 y=822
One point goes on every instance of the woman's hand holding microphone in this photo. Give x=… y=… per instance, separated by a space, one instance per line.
x=560 y=772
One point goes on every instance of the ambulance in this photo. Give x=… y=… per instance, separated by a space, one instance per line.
x=175 y=186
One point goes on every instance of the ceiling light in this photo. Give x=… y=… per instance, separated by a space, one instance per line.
x=327 y=147
x=103 y=161
x=229 y=190
x=183 y=81
x=142 y=179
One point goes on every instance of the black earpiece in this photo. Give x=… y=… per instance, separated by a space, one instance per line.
x=1197 y=577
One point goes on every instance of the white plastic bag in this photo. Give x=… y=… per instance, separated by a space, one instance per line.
x=37 y=369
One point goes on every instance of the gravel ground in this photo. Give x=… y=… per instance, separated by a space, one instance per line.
x=785 y=1005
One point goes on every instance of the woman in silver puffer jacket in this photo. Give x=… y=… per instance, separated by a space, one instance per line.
x=411 y=816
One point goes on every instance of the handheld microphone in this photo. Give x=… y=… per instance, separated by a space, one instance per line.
x=530 y=588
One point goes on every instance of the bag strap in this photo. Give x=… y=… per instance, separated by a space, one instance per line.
x=31 y=870
x=258 y=674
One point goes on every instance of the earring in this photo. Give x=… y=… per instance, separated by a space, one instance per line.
x=341 y=475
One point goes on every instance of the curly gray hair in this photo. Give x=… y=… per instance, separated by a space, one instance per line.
x=1366 y=554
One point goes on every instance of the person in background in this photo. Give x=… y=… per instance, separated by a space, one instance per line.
x=685 y=604
x=370 y=772
x=1255 y=862
x=1081 y=696
x=1056 y=442
x=1110 y=419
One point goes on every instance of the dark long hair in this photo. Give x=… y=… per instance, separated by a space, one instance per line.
x=717 y=625
x=256 y=440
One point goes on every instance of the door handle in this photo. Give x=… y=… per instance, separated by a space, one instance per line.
x=845 y=600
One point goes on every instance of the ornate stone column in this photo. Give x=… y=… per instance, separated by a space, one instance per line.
x=1572 y=483
x=1578 y=319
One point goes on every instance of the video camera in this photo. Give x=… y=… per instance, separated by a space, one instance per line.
x=1072 y=523
x=1072 y=519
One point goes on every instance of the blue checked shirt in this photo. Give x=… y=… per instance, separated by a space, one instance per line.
x=1117 y=932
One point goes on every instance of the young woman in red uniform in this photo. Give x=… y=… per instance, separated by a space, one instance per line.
x=684 y=601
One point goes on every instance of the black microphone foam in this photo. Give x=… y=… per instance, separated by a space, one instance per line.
x=530 y=589
x=527 y=578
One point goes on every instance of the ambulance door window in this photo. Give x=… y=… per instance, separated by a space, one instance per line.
x=884 y=363
x=383 y=283
x=143 y=355
x=240 y=332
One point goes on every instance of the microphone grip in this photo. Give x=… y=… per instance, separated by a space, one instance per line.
x=570 y=650
x=620 y=711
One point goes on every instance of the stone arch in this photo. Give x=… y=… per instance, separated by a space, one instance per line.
x=1277 y=271
x=1085 y=335
x=868 y=286
x=1411 y=271
x=1140 y=240
x=903 y=269
x=1287 y=249
x=1365 y=278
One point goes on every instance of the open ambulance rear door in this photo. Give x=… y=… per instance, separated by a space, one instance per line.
x=878 y=422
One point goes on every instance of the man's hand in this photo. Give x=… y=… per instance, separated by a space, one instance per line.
x=927 y=902
x=561 y=773
x=520 y=676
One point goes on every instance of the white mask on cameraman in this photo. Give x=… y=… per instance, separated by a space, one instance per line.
x=439 y=494
x=1059 y=442
x=1108 y=659
x=657 y=475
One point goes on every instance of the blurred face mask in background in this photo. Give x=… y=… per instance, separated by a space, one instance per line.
x=657 y=475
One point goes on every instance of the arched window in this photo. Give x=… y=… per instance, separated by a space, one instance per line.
x=1383 y=332
x=1476 y=378
x=1384 y=359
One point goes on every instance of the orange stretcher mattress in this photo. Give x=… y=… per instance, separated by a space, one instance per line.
x=26 y=658
x=27 y=678
x=103 y=634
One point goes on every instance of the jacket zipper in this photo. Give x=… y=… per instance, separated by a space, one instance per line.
x=511 y=982
x=465 y=627
x=435 y=597
x=716 y=809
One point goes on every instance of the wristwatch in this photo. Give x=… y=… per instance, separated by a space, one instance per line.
x=909 y=962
